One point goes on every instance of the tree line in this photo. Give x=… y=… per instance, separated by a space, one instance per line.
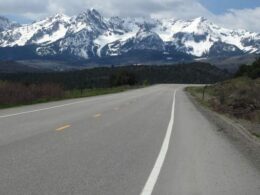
x=129 y=75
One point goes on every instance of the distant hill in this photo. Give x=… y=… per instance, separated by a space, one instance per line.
x=15 y=67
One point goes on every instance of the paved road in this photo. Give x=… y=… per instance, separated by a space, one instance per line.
x=137 y=142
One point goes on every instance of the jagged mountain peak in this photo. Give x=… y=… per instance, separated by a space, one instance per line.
x=6 y=24
x=200 y=19
x=89 y=15
x=61 y=16
x=57 y=18
x=145 y=31
x=4 y=19
x=93 y=19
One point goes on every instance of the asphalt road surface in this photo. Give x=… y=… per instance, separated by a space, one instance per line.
x=145 y=141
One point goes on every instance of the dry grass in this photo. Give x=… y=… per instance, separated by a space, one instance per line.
x=16 y=93
x=238 y=97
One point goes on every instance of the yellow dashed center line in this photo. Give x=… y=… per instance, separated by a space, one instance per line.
x=63 y=127
x=97 y=115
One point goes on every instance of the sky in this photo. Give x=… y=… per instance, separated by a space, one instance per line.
x=234 y=14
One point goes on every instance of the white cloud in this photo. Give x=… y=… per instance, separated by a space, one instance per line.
x=22 y=6
x=179 y=9
x=36 y=9
x=244 y=18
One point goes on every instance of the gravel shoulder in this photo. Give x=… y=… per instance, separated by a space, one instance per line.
x=236 y=131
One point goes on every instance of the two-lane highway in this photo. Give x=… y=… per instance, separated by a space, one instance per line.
x=144 y=141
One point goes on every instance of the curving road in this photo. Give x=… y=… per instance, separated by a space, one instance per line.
x=145 y=141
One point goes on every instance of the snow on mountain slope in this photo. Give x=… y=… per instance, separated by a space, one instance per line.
x=142 y=40
x=90 y=35
x=110 y=37
x=197 y=36
x=43 y=32
x=122 y=30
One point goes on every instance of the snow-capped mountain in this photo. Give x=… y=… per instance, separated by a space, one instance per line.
x=6 y=24
x=90 y=36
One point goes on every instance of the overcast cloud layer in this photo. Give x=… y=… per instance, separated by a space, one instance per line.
x=185 y=9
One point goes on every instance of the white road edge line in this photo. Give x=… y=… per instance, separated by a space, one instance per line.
x=38 y=110
x=150 y=183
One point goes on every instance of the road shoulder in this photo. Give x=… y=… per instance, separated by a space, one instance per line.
x=234 y=131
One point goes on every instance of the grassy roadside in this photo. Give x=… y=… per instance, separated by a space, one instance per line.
x=76 y=93
x=237 y=99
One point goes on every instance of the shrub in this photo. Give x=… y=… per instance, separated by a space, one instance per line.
x=252 y=71
x=238 y=97
x=17 y=93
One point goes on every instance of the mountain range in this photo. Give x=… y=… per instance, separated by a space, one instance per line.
x=93 y=39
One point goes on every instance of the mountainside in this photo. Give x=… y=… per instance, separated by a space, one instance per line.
x=6 y=24
x=93 y=38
